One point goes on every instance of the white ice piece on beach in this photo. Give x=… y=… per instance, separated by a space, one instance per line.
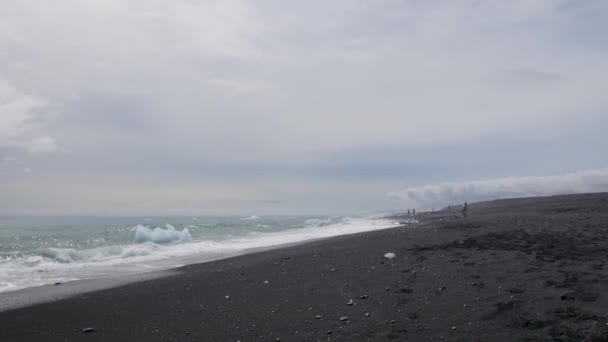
x=389 y=255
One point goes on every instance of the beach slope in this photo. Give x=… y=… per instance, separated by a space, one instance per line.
x=514 y=270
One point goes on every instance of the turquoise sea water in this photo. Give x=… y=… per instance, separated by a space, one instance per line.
x=44 y=250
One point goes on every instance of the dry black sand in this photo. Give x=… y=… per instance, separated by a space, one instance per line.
x=515 y=270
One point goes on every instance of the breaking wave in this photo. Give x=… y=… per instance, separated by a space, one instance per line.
x=159 y=235
x=327 y=221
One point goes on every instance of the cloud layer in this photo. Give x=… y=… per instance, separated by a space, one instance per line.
x=323 y=105
x=439 y=195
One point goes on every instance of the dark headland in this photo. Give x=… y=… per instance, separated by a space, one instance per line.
x=532 y=269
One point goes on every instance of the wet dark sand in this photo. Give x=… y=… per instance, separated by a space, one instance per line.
x=514 y=270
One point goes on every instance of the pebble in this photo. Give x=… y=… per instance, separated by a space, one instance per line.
x=364 y=296
x=318 y=317
x=351 y=302
x=406 y=290
x=367 y=315
x=87 y=330
x=343 y=318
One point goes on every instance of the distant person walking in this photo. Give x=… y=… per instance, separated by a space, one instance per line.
x=465 y=209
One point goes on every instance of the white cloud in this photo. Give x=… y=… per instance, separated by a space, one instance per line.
x=428 y=196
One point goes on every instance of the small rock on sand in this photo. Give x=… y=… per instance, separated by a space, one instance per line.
x=389 y=255
x=87 y=330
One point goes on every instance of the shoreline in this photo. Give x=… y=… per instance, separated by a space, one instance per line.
x=520 y=270
x=48 y=293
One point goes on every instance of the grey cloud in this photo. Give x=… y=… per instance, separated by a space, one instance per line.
x=279 y=97
x=21 y=116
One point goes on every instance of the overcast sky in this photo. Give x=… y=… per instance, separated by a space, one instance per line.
x=137 y=107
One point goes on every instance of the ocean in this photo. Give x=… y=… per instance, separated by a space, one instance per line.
x=37 y=251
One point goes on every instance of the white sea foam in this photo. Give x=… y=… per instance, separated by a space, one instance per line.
x=159 y=235
x=160 y=248
x=252 y=217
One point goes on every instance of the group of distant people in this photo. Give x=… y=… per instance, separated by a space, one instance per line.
x=465 y=210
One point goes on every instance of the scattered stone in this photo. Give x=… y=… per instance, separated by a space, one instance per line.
x=351 y=302
x=478 y=284
x=507 y=305
x=393 y=321
x=443 y=288
x=329 y=332
x=568 y=296
x=405 y=290
x=364 y=296
x=367 y=315
x=343 y=318
x=389 y=255
x=287 y=258
x=87 y=330
x=318 y=317
x=516 y=290
x=333 y=270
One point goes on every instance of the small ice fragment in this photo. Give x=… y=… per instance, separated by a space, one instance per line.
x=389 y=255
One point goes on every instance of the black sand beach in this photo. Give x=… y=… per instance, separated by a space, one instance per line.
x=514 y=270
